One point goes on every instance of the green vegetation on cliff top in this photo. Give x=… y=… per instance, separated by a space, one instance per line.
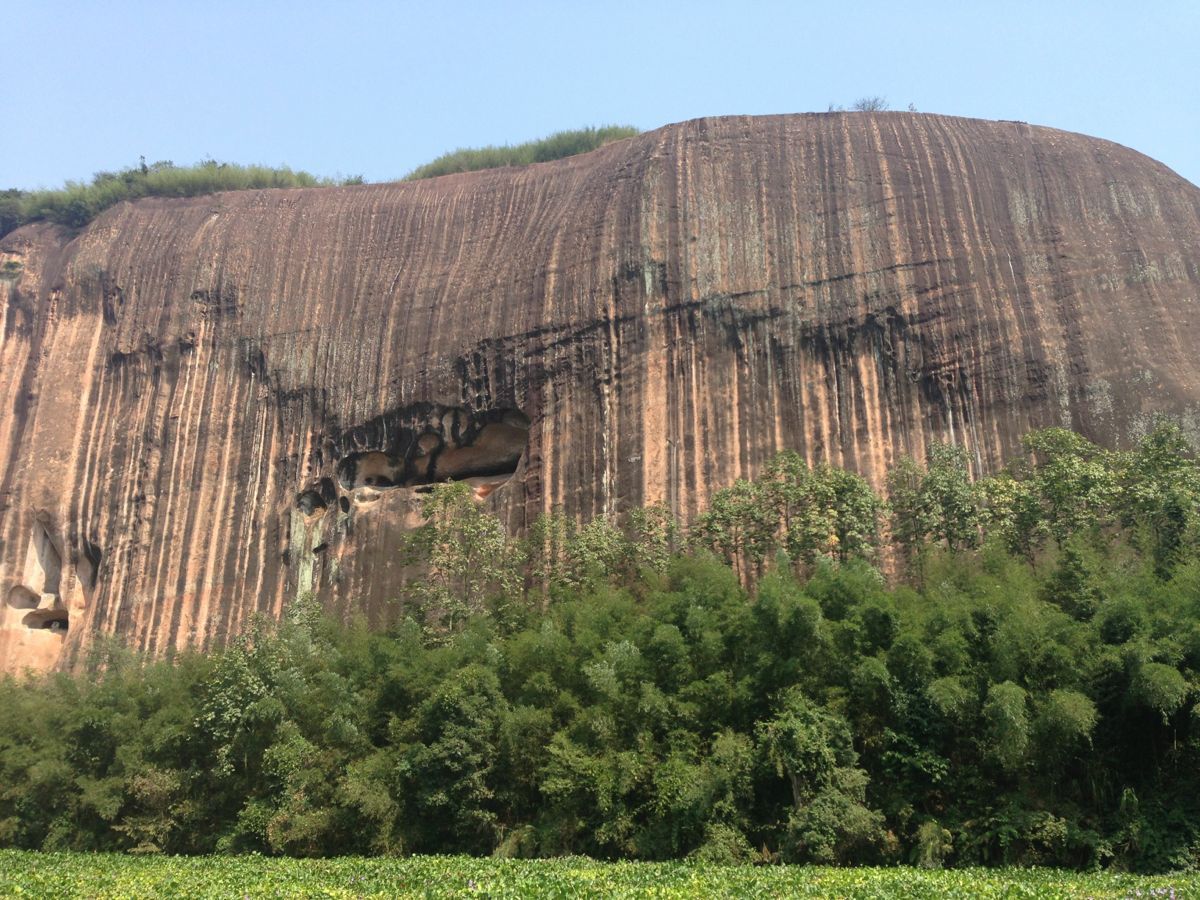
x=557 y=146
x=78 y=203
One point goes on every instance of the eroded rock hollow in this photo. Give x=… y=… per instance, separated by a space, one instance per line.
x=211 y=405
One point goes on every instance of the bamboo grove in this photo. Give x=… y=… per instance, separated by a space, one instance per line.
x=980 y=670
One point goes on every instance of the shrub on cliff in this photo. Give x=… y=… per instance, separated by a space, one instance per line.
x=76 y=203
x=557 y=146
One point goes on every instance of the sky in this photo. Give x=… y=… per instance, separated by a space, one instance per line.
x=376 y=89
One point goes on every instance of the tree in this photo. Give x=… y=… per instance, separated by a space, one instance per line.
x=1160 y=492
x=445 y=755
x=823 y=511
x=804 y=506
x=949 y=497
x=595 y=553
x=1007 y=732
x=11 y=212
x=813 y=750
x=1073 y=480
x=1012 y=510
x=909 y=518
x=654 y=534
x=870 y=104
x=740 y=526
x=468 y=558
x=545 y=554
x=856 y=513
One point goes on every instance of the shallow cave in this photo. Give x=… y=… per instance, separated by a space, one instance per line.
x=88 y=568
x=317 y=498
x=495 y=451
x=483 y=449
x=310 y=502
x=21 y=597
x=371 y=469
x=57 y=620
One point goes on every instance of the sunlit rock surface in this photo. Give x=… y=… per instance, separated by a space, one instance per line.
x=212 y=405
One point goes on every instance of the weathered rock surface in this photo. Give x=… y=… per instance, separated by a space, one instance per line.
x=211 y=405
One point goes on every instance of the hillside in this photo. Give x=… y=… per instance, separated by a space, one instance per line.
x=215 y=404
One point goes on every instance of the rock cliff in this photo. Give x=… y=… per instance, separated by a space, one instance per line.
x=211 y=405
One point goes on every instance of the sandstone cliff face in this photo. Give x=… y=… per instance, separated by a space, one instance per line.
x=211 y=405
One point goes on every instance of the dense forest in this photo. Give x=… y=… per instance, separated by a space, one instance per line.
x=982 y=670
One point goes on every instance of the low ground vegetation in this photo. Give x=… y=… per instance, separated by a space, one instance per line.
x=99 y=876
x=750 y=690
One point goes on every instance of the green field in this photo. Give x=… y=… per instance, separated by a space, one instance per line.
x=26 y=874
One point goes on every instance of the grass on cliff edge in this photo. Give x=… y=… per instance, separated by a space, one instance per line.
x=559 y=145
x=33 y=874
x=76 y=203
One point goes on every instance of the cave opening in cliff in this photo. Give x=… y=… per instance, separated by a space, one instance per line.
x=310 y=503
x=483 y=450
x=371 y=469
x=317 y=499
x=489 y=460
x=56 y=620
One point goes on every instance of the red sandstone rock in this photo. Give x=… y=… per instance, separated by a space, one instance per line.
x=200 y=393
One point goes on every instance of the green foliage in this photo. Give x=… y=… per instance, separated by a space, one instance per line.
x=739 y=525
x=557 y=146
x=1161 y=494
x=807 y=513
x=12 y=213
x=77 y=203
x=933 y=844
x=1161 y=688
x=1065 y=723
x=1007 y=724
x=1071 y=484
x=1029 y=699
x=470 y=560
x=813 y=750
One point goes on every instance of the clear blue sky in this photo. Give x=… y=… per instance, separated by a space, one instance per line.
x=379 y=88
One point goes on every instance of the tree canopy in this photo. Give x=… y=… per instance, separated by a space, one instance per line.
x=750 y=689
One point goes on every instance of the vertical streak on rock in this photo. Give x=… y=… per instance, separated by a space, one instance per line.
x=669 y=311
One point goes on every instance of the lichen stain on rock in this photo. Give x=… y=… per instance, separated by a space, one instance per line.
x=241 y=397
